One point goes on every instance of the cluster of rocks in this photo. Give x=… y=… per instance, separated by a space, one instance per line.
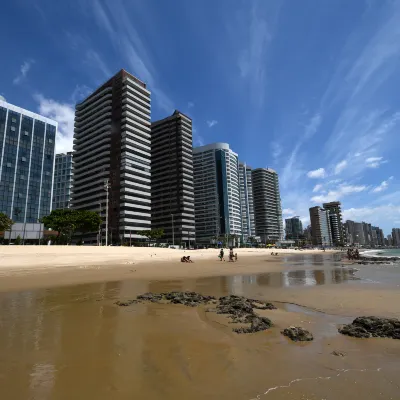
x=367 y=327
x=238 y=308
x=298 y=334
x=378 y=260
x=241 y=310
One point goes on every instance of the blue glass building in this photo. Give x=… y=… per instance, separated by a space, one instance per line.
x=62 y=189
x=27 y=144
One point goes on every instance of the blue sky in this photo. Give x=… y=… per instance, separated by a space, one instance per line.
x=309 y=88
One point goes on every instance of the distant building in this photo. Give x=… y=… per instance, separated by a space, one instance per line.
x=335 y=219
x=216 y=193
x=293 y=228
x=377 y=236
x=396 y=237
x=246 y=201
x=267 y=204
x=308 y=234
x=172 y=191
x=389 y=240
x=62 y=188
x=27 y=144
x=321 y=227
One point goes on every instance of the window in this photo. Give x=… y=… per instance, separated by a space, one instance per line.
x=13 y=128
x=23 y=159
x=9 y=165
x=13 y=120
x=26 y=133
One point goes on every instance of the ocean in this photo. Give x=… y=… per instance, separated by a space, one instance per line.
x=383 y=252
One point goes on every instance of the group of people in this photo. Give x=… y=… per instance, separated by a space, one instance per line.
x=232 y=256
x=274 y=254
x=353 y=254
x=186 y=259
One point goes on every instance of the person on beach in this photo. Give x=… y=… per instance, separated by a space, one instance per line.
x=235 y=257
x=231 y=255
x=184 y=259
x=221 y=255
x=188 y=259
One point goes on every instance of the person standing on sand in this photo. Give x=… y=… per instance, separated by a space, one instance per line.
x=221 y=254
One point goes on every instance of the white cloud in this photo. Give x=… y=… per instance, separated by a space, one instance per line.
x=190 y=104
x=383 y=186
x=64 y=114
x=212 y=123
x=317 y=173
x=340 y=167
x=380 y=215
x=375 y=162
x=276 y=150
x=80 y=92
x=24 y=69
x=95 y=61
x=317 y=188
x=287 y=212
x=341 y=191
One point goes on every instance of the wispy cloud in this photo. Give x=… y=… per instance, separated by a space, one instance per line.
x=340 y=167
x=64 y=114
x=317 y=188
x=80 y=92
x=113 y=17
x=341 y=191
x=190 y=104
x=375 y=162
x=23 y=72
x=383 y=186
x=317 y=173
x=212 y=123
x=96 y=61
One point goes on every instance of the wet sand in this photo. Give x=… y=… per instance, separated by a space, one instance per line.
x=74 y=342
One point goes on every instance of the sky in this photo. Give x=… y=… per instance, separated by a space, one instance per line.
x=309 y=88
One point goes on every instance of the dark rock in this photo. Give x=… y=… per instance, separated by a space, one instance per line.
x=366 y=327
x=238 y=306
x=125 y=303
x=298 y=334
x=257 y=324
x=338 y=353
x=152 y=297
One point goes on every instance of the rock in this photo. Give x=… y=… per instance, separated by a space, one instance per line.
x=298 y=334
x=125 y=303
x=257 y=324
x=152 y=297
x=338 y=353
x=366 y=327
x=238 y=306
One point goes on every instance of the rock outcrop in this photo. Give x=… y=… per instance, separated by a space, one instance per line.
x=298 y=334
x=368 y=327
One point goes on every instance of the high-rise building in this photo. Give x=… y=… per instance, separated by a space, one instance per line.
x=377 y=236
x=246 y=201
x=294 y=228
x=335 y=220
x=112 y=143
x=267 y=204
x=172 y=191
x=321 y=227
x=27 y=144
x=396 y=237
x=390 y=240
x=216 y=192
x=62 y=188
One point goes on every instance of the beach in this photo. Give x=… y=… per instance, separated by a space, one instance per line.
x=62 y=335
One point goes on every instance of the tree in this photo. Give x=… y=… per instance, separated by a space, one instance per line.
x=18 y=240
x=5 y=222
x=152 y=234
x=67 y=222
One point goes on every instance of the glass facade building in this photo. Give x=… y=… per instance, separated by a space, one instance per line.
x=62 y=181
x=27 y=144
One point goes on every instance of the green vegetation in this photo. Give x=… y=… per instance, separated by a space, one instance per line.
x=5 y=222
x=67 y=222
x=152 y=234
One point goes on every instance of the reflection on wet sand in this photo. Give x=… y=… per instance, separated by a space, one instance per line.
x=74 y=343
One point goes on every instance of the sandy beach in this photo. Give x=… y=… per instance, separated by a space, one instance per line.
x=62 y=335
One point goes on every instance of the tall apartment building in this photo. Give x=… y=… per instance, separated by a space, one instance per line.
x=246 y=201
x=294 y=228
x=336 y=222
x=216 y=192
x=27 y=144
x=62 y=188
x=321 y=227
x=112 y=143
x=267 y=204
x=172 y=191
x=396 y=237
x=377 y=236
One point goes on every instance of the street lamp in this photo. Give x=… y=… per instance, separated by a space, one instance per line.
x=173 y=231
x=106 y=188
x=100 y=241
